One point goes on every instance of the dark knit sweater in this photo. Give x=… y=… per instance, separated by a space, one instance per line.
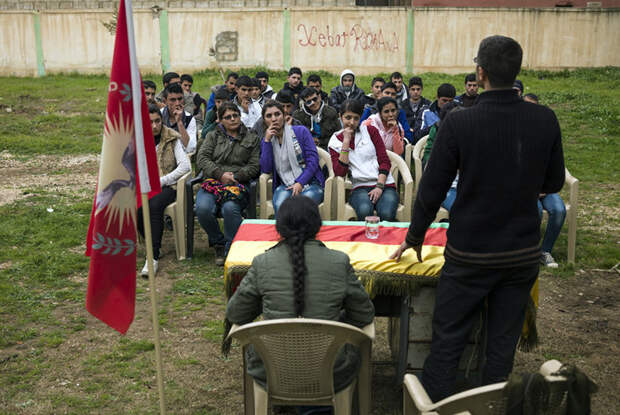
x=507 y=152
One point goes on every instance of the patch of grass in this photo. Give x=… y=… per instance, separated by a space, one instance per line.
x=37 y=244
x=213 y=330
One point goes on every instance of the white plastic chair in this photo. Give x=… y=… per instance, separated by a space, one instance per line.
x=485 y=400
x=176 y=211
x=416 y=153
x=299 y=356
x=346 y=212
x=266 y=189
x=571 y=213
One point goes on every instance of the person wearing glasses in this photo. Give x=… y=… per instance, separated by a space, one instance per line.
x=317 y=116
x=493 y=249
x=290 y=154
x=174 y=116
x=229 y=160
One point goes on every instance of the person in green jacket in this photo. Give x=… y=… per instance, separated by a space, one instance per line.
x=229 y=160
x=301 y=277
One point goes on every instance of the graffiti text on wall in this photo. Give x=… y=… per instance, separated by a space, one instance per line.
x=357 y=37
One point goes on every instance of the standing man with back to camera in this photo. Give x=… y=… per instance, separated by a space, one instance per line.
x=507 y=152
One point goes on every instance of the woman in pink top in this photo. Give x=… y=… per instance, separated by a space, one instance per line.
x=386 y=122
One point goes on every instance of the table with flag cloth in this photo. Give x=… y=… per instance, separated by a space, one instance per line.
x=382 y=277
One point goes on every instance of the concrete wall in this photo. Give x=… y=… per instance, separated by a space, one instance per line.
x=551 y=38
x=147 y=4
x=516 y=3
x=366 y=40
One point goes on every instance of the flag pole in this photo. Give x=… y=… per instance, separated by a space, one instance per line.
x=149 y=258
x=145 y=188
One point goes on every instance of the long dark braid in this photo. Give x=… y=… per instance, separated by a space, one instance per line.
x=297 y=221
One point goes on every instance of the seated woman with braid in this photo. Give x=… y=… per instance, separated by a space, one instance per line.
x=301 y=277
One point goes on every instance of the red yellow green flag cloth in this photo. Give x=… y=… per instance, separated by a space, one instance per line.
x=369 y=257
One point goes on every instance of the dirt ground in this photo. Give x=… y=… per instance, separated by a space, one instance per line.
x=578 y=322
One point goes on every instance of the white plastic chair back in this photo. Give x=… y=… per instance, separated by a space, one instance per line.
x=485 y=400
x=299 y=357
x=176 y=211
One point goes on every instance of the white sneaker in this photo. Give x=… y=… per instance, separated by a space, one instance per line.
x=547 y=260
x=145 y=269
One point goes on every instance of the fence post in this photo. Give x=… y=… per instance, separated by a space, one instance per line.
x=409 y=46
x=164 y=41
x=286 y=41
x=39 y=45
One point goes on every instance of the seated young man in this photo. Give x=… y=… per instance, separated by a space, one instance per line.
x=417 y=103
x=229 y=86
x=167 y=79
x=445 y=110
x=193 y=101
x=375 y=87
x=555 y=207
x=211 y=120
x=294 y=84
x=255 y=91
x=285 y=98
x=389 y=90
x=346 y=90
x=401 y=91
x=314 y=81
x=250 y=110
x=471 y=91
x=174 y=116
x=173 y=163
x=423 y=124
x=266 y=91
x=321 y=119
x=150 y=90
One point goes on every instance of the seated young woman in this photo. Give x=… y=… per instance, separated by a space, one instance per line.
x=301 y=277
x=290 y=154
x=360 y=152
x=173 y=163
x=386 y=122
x=229 y=158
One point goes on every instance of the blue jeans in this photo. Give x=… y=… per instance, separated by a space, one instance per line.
x=449 y=201
x=313 y=191
x=386 y=205
x=554 y=205
x=206 y=211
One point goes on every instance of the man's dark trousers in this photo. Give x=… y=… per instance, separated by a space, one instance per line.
x=461 y=292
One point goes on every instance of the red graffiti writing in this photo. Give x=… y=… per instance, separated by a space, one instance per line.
x=357 y=36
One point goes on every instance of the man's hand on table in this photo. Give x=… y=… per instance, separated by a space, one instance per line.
x=403 y=247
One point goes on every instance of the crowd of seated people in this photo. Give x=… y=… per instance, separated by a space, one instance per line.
x=246 y=128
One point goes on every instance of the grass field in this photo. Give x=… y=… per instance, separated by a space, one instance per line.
x=56 y=358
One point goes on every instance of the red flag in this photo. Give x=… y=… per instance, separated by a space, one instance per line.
x=111 y=239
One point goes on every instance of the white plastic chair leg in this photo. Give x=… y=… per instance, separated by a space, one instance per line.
x=343 y=400
x=261 y=400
